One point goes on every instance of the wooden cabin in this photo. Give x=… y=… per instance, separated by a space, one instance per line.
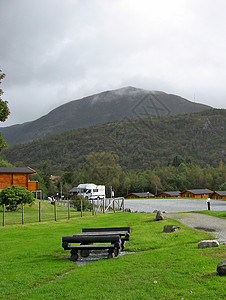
x=202 y=193
x=139 y=195
x=218 y=195
x=175 y=194
x=17 y=176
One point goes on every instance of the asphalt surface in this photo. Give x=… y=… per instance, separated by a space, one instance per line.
x=173 y=205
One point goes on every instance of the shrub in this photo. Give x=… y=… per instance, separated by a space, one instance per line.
x=15 y=195
x=86 y=205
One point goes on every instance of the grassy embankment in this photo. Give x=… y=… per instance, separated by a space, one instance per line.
x=219 y=214
x=164 y=265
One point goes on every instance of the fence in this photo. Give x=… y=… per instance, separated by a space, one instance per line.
x=64 y=209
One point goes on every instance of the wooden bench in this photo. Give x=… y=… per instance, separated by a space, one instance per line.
x=124 y=232
x=87 y=243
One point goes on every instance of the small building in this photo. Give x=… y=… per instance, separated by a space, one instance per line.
x=218 y=195
x=17 y=176
x=74 y=192
x=54 y=178
x=139 y=195
x=174 y=194
x=199 y=193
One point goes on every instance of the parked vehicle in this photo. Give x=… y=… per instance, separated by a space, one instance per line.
x=91 y=191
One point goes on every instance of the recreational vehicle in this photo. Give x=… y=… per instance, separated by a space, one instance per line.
x=91 y=191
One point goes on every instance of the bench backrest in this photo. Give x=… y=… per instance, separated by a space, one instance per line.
x=91 y=239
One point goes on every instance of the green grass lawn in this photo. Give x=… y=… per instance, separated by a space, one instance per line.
x=31 y=213
x=164 y=265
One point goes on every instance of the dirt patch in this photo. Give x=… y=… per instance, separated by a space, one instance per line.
x=97 y=255
x=205 y=229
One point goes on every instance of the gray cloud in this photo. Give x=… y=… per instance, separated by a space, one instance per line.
x=54 y=51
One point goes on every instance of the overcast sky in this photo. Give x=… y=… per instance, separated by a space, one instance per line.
x=55 y=51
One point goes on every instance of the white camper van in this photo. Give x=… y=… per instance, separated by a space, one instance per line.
x=91 y=191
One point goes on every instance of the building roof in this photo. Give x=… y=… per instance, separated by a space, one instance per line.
x=221 y=193
x=201 y=191
x=174 y=193
x=141 y=195
x=74 y=190
x=17 y=170
x=54 y=177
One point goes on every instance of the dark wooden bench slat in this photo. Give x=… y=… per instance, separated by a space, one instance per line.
x=123 y=234
x=91 y=239
x=91 y=247
x=107 y=229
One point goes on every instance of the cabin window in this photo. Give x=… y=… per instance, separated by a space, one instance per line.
x=95 y=190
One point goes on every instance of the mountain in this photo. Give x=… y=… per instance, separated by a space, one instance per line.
x=141 y=144
x=117 y=105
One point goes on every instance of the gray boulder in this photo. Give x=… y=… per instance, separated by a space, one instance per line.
x=171 y=228
x=129 y=210
x=208 y=243
x=159 y=216
x=221 y=268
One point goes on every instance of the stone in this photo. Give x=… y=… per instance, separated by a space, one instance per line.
x=171 y=228
x=155 y=211
x=221 y=268
x=129 y=210
x=159 y=216
x=208 y=243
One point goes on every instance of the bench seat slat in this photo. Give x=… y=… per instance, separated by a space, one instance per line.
x=124 y=234
x=90 y=247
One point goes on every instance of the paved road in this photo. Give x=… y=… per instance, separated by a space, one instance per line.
x=173 y=205
x=203 y=222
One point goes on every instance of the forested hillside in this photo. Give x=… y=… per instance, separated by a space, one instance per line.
x=117 y=105
x=140 y=144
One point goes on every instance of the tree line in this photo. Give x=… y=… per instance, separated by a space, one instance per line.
x=103 y=168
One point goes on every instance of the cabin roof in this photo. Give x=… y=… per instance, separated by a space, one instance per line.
x=174 y=193
x=140 y=194
x=26 y=170
x=201 y=191
x=221 y=193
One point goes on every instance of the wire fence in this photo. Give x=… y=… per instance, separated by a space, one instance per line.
x=45 y=210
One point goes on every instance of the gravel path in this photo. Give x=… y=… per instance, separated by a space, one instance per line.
x=203 y=222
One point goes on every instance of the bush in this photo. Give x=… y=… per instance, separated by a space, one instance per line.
x=15 y=195
x=86 y=205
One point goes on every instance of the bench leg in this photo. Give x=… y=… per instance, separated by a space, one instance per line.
x=84 y=253
x=111 y=253
x=116 y=251
x=123 y=245
x=74 y=255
